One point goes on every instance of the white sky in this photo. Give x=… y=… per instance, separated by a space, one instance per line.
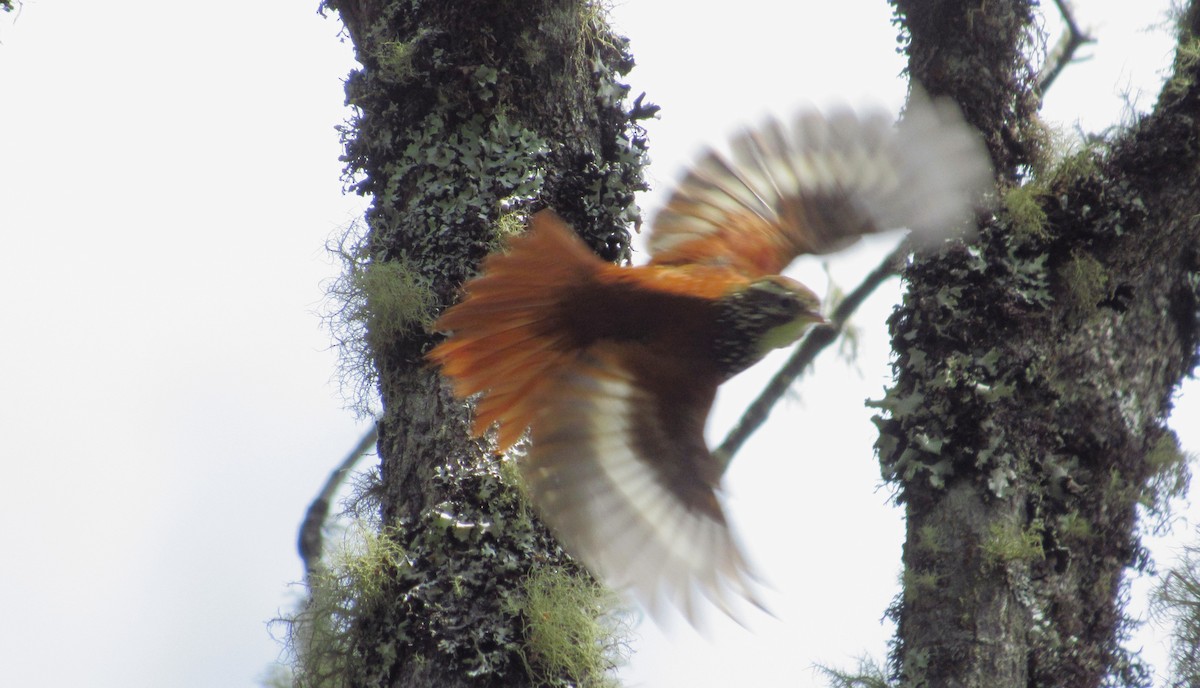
x=168 y=178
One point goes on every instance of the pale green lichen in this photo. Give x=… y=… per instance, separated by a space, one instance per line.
x=319 y=634
x=454 y=152
x=573 y=634
x=371 y=304
x=396 y=60
x=398 y=300
x=508 y=225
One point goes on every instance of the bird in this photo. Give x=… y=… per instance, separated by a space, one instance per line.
x=613 y=369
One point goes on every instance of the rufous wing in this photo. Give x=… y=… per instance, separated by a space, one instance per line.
x=622 y=474
x=820 y=184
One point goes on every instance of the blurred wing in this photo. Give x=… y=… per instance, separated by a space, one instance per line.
x=624 y=478
x=822 y=183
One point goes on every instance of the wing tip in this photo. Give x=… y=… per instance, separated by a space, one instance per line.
x=830 y=176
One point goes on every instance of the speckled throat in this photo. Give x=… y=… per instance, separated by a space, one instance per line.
x=748 y=318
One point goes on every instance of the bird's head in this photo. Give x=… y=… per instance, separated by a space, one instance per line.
x=768 y=313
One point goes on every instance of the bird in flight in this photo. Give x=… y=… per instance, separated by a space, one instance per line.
x=614 y=369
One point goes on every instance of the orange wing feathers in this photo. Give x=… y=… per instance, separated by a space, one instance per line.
x=517 y=326
x=819 y=185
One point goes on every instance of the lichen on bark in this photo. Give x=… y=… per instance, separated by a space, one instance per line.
x=1034 y=371
x=468 y=115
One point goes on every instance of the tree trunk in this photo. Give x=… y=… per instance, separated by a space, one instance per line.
x=1034 y=372
x=469 y=115
x=1034 y=364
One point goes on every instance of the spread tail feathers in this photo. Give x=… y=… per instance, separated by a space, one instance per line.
x=509 y=337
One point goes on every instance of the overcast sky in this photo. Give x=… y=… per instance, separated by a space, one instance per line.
x=168 y=180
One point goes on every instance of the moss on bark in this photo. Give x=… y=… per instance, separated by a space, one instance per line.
x=468 y=115
x=1033 y=376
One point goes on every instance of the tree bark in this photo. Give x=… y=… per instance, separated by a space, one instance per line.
x=1034 y=364
x=1034 y=371
x=469 y=115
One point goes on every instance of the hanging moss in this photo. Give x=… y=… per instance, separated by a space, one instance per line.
x=351 y=584
x=468 y=117
x=573 y=634
x=397 y=300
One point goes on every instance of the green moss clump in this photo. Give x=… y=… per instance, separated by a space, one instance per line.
x=1077 y=164
x=1009 y=543
x=572 y=630
x=1166 y=455
x=1085 y=283
x=563 y=626
x=396 y=61
x=915 y=583
x=1072 y=526
x=1026 y=216
x=1187 y=57
x=508 y=225
x=930 y=539
x=1169 y=479
x=398 y=300
x=370 y=305
x=319 y=635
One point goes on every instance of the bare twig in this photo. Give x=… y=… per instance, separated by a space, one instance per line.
x=311 y=540
x=1064 y=51
x=817 y=339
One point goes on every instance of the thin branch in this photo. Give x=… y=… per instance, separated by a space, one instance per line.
x=817 y=339
x=311 y=540
x=1064 y=50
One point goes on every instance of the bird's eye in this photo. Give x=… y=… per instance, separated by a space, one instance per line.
x=786 y=303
